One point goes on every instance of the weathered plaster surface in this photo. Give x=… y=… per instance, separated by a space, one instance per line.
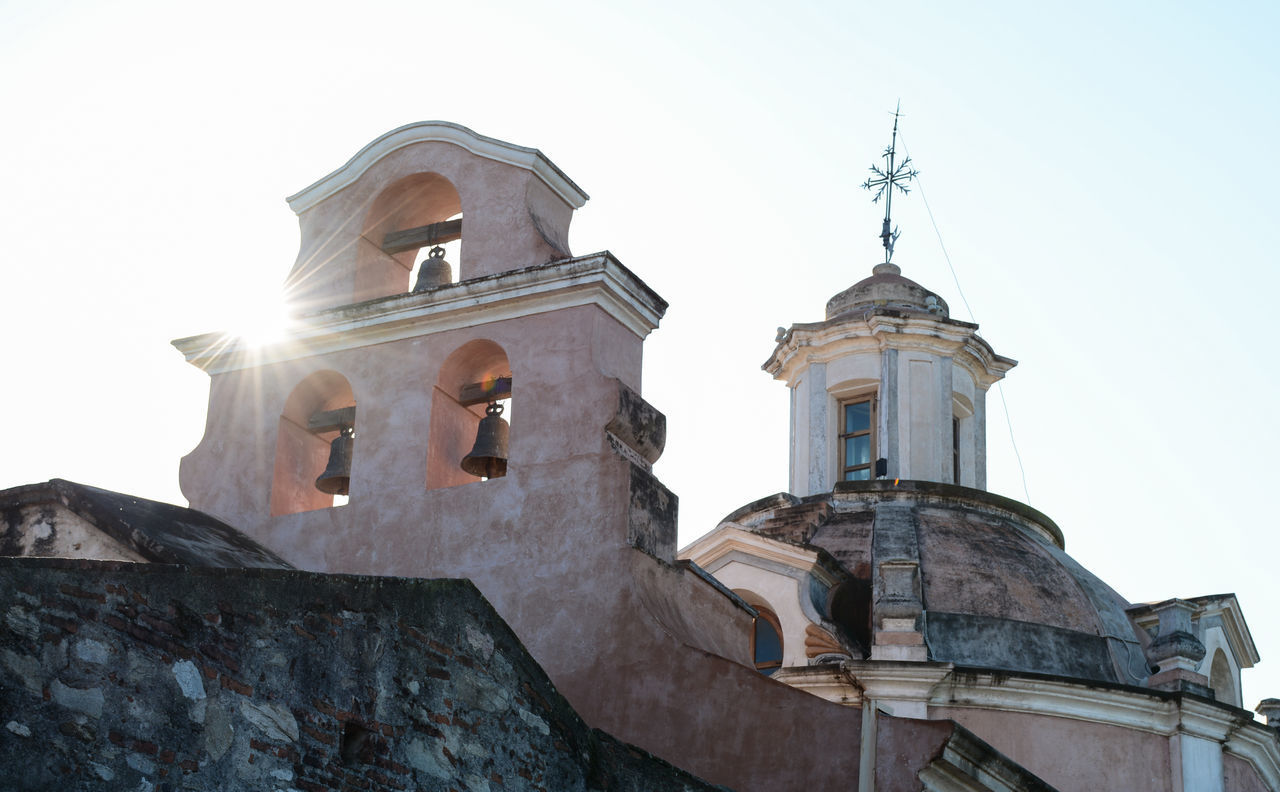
x=1240 y=776
x=1098 y=757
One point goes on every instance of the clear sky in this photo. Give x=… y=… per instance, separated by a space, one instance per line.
x=1103 y=176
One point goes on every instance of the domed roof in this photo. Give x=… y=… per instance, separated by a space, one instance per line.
x=996 y=588
x=886 y=288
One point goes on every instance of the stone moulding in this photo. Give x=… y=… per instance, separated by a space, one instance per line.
x=598 y=279
x=881 y=328
x=944 y=685
x=530 y=159
x=727 y=539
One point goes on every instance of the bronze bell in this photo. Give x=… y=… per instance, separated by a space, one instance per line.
x=488 y=456
x=336 y=478
x=435 y=271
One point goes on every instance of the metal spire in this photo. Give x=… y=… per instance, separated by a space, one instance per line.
x=885 y=180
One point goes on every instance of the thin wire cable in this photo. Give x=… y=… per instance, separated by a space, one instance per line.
x=1008 y=419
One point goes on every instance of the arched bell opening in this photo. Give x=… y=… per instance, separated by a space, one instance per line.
x=404 y=224
x=766 y=634
x=314 y=445
x=437 y=262
x=470 y=417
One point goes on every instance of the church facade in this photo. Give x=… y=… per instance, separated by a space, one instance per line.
x=886 y=624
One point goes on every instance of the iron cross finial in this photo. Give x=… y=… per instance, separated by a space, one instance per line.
x=893 y=175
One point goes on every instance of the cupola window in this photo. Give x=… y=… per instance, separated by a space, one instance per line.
x=857 y=439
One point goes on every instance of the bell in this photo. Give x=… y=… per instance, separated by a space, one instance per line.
x=488 y=456
x=336 y=478
x=435 y=271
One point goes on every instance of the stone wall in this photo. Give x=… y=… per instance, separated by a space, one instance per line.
x=148 y=677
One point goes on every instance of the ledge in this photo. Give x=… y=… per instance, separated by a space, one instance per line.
x=909 y=489
x=880 y=328
x=597 y=279
x=906 y=489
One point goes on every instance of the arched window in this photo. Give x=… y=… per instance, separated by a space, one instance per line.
x=314 y=415
x=476 y=374
x=766 y=643
x=766 y=634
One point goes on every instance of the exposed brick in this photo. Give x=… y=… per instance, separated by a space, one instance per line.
x=235 y=686
x=75 y=591
x=316 y=734
x=160 y=625
x=211 y=650
x=144 y=747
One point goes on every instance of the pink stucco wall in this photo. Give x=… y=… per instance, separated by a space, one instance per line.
x=1070 y=754
x=1240 y=776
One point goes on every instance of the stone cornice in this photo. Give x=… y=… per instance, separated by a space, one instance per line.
x=728 y=539
x=529 y=159
x=881 y=329
x=899 y=681
x=941 y=685
x=598 y=279
x=1130 y=708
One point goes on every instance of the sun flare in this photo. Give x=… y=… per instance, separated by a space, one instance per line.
x=262 y=325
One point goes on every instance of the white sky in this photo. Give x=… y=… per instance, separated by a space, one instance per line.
x=1103 y=178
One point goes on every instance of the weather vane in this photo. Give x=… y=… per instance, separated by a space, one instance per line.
x=893 y=175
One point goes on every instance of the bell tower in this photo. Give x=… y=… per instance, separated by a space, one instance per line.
x=406 y=423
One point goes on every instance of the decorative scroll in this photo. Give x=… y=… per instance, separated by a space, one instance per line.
x=818 y=641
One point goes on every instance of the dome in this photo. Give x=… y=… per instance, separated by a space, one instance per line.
x=996 y=588
x=886 y=288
